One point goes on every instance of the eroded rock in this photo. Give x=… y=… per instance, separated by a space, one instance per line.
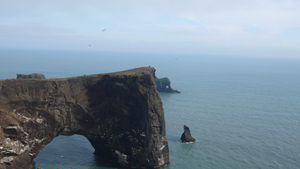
x=120 y=113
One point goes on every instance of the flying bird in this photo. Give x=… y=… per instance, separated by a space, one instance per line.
x=90 y=45
x=103 y=30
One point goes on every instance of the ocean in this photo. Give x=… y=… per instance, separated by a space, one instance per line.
x=243 y=111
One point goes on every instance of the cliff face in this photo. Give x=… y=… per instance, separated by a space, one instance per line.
x=120 y=113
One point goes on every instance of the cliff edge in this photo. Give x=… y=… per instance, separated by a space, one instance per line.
x=120 y=113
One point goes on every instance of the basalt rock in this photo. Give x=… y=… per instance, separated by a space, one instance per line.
x=31 y=76
x=186 y=135
x=164 y=85
x=120 y=113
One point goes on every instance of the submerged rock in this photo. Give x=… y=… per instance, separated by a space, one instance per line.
x=31 y=76
x=164 y=85
x=120 y=113
x=186 y=135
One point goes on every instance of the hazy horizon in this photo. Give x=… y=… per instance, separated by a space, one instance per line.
x=240 y=28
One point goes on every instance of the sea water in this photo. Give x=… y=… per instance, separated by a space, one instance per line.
x=243 y=111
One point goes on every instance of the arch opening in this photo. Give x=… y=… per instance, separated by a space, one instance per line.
x=75 y=152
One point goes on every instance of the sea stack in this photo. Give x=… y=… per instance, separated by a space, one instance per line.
x=186 y=135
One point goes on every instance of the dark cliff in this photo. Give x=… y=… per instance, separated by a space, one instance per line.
x=120 y=113
x=164 y=85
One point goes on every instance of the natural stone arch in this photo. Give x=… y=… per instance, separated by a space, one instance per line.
x=120 y=113
x=164 y=85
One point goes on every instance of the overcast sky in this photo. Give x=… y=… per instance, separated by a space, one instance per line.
x=231 y=27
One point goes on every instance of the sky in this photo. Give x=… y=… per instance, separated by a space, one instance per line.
x=268 y=28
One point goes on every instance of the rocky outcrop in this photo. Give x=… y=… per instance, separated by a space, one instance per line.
x=31 y=76
x=164 y=85
x=120 y=113
x=186 y=135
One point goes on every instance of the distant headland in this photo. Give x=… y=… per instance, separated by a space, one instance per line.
x=31 y=76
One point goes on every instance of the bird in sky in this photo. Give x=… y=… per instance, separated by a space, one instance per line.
x=103 y=30
x=90 y=45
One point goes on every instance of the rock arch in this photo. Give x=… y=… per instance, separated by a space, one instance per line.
x=164 y=85
x=120 y=114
